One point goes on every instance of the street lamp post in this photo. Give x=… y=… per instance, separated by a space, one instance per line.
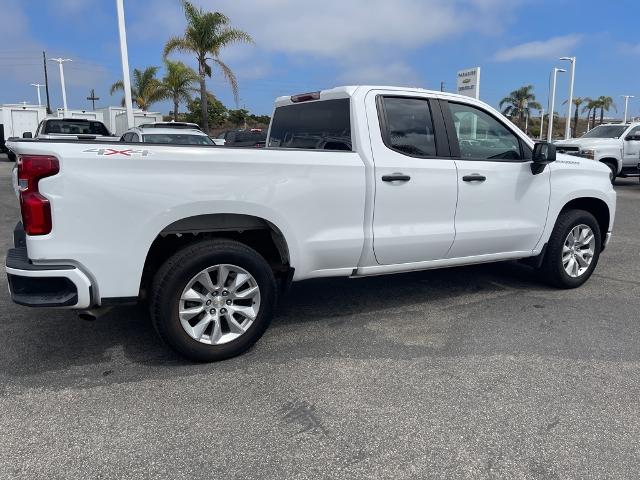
x=626 y=105
x=552 y=101
x=124 y=55
x=567 y=128
x=38 y=85
x=60 y=61
x=541 y=122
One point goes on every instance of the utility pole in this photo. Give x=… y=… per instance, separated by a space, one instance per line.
x=38 y=85
x=124 y=56
x=46 y=82
x=572 y=73
x=541 y=122
x=60 y=61
x=442 y=86
x=552 y=102
x=626 y=106
x=93 y=99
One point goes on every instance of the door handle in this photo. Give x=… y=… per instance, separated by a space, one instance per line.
x=396 y=177
x=474 y=177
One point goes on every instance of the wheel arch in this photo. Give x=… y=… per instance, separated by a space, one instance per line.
x=256 y=232
x=615 y=161
x=597 y=207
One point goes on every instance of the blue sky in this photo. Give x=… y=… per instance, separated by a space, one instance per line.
x=304 y=46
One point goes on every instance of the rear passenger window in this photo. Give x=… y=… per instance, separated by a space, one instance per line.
x=407 y=126
x=323 y=125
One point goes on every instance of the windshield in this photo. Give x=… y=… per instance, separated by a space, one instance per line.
x=606 y=131
x=75 y=127
x=178 y=139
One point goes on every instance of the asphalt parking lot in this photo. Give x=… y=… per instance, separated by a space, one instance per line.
x=479 y=372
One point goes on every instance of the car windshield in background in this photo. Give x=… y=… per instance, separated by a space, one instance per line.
x=323 y=125
x=75 y=128
x=178 y=139
x=606 y=131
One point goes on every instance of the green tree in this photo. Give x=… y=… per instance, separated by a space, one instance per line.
x=239 y=116
x=178 y=84
x=216 y=111
x=146 y=89
x=207 y=33
x=260 y=119
x=591 y=107
x=605 y=103
x=577 y=101
x=519 y=103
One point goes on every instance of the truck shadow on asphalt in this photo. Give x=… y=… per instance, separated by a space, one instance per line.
x=431 y=313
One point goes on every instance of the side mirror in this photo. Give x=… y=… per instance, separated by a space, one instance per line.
x=27 y=135
x=632 y=138
x=543 y=154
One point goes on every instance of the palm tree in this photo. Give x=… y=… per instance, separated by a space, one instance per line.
x=519 y=103
x=591 y=107
x=145 y=88
x=605 y=103
x=207 y=33
x=577 y=102
x=178 y=84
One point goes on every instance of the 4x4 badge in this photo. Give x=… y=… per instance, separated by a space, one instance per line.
x=128 y=152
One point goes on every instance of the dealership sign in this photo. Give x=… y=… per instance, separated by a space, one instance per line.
x=469 y=82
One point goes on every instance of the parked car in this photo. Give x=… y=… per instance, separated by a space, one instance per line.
x=243 y=138
x=617 y=145
x=72 y=128
x=211 y=237
x=176 y=136
x=172 y=124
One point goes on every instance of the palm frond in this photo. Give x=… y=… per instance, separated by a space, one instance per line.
x=230 y=76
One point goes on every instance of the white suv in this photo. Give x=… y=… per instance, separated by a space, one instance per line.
x=167 y=135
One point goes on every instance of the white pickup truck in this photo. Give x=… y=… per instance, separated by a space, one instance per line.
x=354 y=181
x=617 y=145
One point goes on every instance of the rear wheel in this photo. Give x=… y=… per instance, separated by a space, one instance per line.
x=213 y=300
x=573 y=250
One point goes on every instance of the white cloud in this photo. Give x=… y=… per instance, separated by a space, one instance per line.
x=551 y=48
x=358 y=35
x=338 y=27
x=395 y=73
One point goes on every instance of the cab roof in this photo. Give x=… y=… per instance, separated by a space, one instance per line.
x=350 y=90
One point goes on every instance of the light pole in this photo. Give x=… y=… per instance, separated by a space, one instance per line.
x=38 y=85
x=626 y=106
x=124 y=55
x=64 y=90
x=567 y=128
x=541 y=122
x=552 y=101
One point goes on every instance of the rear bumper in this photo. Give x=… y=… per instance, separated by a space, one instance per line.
x=44 y=285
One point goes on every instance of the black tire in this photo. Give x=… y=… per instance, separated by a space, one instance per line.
x=614 y=171
x=552 y=269
x=174 y=275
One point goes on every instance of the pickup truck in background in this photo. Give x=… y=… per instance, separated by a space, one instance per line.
x=354 y=181
x=53 y=128
x=74 y=129
x=617 y=145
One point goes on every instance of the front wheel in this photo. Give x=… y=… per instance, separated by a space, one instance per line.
x=614 y=171
x=573 y=250
x=213 y=300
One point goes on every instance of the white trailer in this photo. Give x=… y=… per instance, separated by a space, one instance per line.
x=139 y=118
x=18 y=119
x=85 y=114
x=109 y=115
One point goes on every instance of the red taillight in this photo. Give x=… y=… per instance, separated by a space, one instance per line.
x=36 y=210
